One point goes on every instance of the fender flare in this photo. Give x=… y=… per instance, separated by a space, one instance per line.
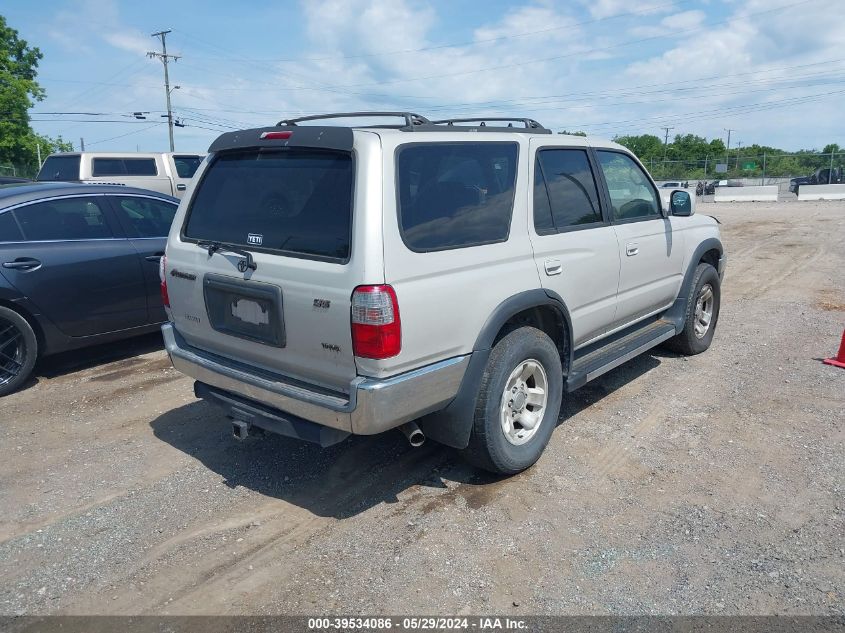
x=452 y=425
x=677 y=312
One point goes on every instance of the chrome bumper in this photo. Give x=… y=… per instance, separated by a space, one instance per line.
x=372 y=406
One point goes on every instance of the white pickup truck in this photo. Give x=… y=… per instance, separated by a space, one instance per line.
x=165 y=172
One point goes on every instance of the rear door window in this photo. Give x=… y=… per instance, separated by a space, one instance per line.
x=64 y=219
x=60 y=168
x=145 y=217
x=186 y=166
x=9 y=231
x=453 y=195
x=295 y=201
x=124 y=167
x=565 y=192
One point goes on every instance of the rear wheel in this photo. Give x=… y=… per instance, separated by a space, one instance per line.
x=701 y=314
x=518 y=403
x=18 y=350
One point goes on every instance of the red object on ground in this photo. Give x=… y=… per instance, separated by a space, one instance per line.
x=839 y=360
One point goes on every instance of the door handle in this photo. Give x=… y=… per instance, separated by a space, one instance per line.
x=23 y=263
x=155 y=257
x=631 y=249
x=553 y=267
x=181 y=187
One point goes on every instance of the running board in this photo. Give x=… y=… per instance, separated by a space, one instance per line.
x=597 y=359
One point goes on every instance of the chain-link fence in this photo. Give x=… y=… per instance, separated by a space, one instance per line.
x=763 y=168
x=18 y=171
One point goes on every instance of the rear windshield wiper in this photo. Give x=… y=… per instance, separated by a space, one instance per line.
x=248 y=263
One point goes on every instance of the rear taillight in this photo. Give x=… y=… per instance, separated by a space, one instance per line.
x=162 y=275
x=376 y=328
x=277 y=136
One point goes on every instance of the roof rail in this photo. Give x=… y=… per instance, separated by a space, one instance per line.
x=411 y=119
x=530 y=124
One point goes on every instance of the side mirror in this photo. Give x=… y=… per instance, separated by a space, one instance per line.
x=680 y=203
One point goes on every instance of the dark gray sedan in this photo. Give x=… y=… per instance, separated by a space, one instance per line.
x=78 y=266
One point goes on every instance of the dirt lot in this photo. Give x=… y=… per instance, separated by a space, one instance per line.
x=711 y=484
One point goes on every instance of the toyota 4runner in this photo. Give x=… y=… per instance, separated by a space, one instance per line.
x=450 y=278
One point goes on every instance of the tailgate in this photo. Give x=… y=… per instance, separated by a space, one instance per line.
x=291 y=212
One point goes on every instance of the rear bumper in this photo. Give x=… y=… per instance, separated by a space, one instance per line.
x=371 y=406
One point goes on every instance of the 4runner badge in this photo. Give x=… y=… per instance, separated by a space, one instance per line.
x=254 y=238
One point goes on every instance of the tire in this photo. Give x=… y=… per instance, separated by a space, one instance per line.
x=18 y=350
x=695 y=338
x=525 y=351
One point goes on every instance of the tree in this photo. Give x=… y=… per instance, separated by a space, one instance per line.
x=19 y=91
x=645 y=146
x=578 y=133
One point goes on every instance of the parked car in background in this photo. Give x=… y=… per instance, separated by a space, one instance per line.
x=165 y=172
x=78 y=266
x=822 y=176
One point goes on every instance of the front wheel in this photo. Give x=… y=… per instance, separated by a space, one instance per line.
x=18 y=350
x=518 y=403
x=701 y=314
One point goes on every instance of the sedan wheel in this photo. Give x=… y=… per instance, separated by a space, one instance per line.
x=18 y=350
x=12 y=352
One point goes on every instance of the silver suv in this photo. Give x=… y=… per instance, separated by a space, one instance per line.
x=449 y=279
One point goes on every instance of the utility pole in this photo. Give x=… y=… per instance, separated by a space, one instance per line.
x=728 y=150
x=665 y=144
x=165 y=58
x=81 y=144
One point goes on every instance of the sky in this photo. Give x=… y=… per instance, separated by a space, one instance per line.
x=773 y=71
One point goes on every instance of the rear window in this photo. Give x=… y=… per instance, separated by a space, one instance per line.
x=124 y=167
x=294 y=201
x=453 y=195
x=59 y=168
x=186 y=166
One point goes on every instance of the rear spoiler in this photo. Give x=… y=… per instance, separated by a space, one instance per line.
x=320 y=137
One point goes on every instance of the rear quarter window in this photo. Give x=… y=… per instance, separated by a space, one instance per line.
x=59 y=168
x=295 y=201
x=455 y=195
x=124 y=167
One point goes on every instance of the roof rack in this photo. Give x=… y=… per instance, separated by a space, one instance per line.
x=411 y=119
x=529 y=124
x=418 y=123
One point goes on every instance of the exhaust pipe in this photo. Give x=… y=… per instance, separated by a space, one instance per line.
x=416 y=437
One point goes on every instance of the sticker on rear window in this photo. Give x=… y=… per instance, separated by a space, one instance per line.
x=254 y=238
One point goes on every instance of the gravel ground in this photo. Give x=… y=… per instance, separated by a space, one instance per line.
x=673 y=485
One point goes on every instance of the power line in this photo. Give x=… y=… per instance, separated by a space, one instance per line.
x=112 y=138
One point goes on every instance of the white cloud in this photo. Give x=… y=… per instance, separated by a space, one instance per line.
x=600 y=9
x=392 y=54
x=684 y=20
x=73 y=27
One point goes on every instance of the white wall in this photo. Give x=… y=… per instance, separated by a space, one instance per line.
x=821 y=192
x=766 y=193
